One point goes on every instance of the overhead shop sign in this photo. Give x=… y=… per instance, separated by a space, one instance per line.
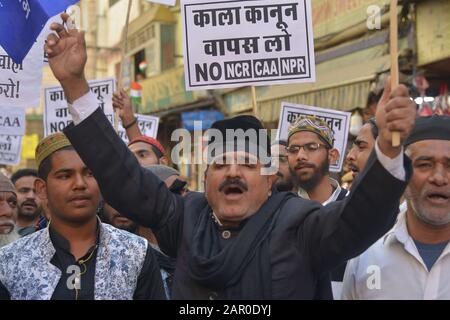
x=254 y=42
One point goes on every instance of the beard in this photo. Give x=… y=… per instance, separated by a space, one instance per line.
x=30 y=215
x=311 y=183
x=9 y=238
x=426 y=213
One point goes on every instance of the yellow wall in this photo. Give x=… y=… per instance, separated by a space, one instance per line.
x=433 y=31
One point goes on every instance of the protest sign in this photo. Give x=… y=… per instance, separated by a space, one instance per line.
x=20 y=83
x=22 y=21
x=338 y=121
x=242 y=43
x=12 y=121
x=147 y=124
x=56 y=111
x=10 y=149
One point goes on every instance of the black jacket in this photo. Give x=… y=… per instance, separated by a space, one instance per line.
x=308 y=240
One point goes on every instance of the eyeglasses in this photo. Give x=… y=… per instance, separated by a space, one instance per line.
x=308 y=148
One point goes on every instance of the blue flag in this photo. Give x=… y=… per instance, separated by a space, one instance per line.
x=21 y=22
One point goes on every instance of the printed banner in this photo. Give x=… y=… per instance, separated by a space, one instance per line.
x=20 y=83
x=147 y=124
x=10 y=149
x=247 y=43
x=12 y=121
x=56 y=110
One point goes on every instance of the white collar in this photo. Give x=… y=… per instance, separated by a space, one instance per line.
x=337 y=190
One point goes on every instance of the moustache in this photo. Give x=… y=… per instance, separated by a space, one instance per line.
x=30 y=203
x=8 y=223
x=233 y=182
x=302 y=165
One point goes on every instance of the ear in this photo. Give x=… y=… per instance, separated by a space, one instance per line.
x=41 y=189
x=164 y=161
x=271 y=180
x=333 y=156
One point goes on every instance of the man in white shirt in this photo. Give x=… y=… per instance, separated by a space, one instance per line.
x=412 y=261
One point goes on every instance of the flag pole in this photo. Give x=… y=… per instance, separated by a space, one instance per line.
x=394 y=58
x=124 y=51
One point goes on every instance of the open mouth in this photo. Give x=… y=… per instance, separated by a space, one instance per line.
x=29 y=206
x=233 y=190
x=353 y=169
x=438 y=197
x=6 y=227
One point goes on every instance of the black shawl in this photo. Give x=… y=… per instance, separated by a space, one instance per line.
x=242 y=268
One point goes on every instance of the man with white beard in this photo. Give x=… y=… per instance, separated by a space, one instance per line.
x=8 y=212
x=413 y=259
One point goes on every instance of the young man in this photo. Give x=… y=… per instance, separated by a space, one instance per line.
x=8 y=212
x=412 y=261
x=310 y=153
x=362 y=147
x=29 y=204
x=284 y=180
x=76 y=257
x=238 y=240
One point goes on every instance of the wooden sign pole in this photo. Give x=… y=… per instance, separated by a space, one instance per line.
x=254 y=102
x=394 y=58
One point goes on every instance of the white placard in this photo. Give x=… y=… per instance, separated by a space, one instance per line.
x=20 y=83
x=56 y=110
x=166 y=2
x=338 y=121
x=243 y=43
x=12 y=120
x=10 y=149
x=147 y=124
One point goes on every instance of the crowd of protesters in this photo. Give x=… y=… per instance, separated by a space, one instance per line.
x=99 y=219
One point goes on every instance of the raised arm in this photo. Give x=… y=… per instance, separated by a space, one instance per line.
x=130 y=189
x=122 y=104
x=344 y=229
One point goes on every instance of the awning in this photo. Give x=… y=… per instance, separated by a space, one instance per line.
x=163 y=93
x=340 y=89
x=341 y=84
